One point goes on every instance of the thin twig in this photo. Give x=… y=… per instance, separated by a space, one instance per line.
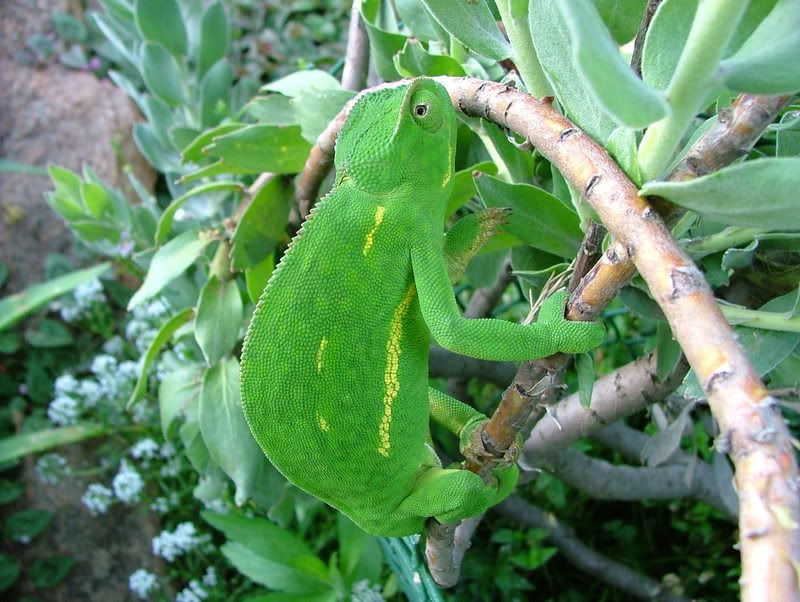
x=638 y=45
x=356 y=58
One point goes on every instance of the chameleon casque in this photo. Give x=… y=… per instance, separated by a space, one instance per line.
x=334 y=372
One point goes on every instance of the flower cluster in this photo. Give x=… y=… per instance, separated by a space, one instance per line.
x=171 y=544
x=142 y=328
x=194 y=592
x=364 y=591
x=82 y=302
x=97 y=498
x=51 y=468
x=127 y=483
x=142 y=583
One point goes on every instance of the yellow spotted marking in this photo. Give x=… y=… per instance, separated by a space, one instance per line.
x=323 y=344
x=323 y=424
x=449 y=173
x=391 y=378
x=379 y=211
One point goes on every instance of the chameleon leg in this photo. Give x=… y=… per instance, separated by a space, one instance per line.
x=463 y=241
x=451 y=413
x=450 y=495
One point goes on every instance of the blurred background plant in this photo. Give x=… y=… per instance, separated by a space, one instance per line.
x=141 y=351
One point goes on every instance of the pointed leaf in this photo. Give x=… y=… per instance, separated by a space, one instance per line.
x=472 y=24
x=260 y=148
x=213 y=37
x=162 y=74
x=161 y=21
x=219 y=318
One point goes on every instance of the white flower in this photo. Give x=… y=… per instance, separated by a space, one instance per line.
x=172 y=468
x=155 y=309
x=145 y=449
x=160 y=505
x=363 y=591
x=91 y=391
x=66 y=384
x=114 y=346
x=193 y=593
x=97 y=498
x=217 y=505
x=69 y=313
x=51 y=467
x=88 y=293
x=141 y=583
x=128 y=370
x=210 y=577
x=127 y=483
x=142 y=412
x=135 y=328
x=167 y=450
x=104 y=364
x=63 y=410
x=171 y=544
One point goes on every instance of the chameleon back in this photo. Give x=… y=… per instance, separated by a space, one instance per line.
x=334 y=366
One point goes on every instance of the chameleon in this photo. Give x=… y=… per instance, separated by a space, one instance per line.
x=334 y=370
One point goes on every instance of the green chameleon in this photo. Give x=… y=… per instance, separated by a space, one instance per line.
x=335 y=362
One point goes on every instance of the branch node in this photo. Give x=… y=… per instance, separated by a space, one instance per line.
x=591 y=184
x=686 y=280
x=765 y=436
x=756 y=533
x=566 y=134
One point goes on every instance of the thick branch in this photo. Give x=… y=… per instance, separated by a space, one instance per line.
x=625 y=391
x=446 y=364
x=356 y=58
x=605 y=481
x=583 y=557
x=760 y=444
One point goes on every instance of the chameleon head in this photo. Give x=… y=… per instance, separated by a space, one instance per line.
x=399 y=138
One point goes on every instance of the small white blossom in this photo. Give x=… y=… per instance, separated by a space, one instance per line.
x=89 y=293
x=172 y=468
x=141 y=583
x=167 y=450
x=63 y=411
x=66 y=384
x=97 y=498
x=91 y=391
x=51 y=467
x=104 y=364
x=160 y=505
x=171 y=544
x=114 y=346
x=217 y=505
x=69 y=312
x=210 y=577
x=145 y=449
x=155 y=309
x=127 y=483
x=363 y=591
x=142 y=412
x=193 y=593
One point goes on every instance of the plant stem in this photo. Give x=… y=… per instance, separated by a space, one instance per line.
x=728 y=238
x=514 y=14
x=712 y=29
x=766 y=320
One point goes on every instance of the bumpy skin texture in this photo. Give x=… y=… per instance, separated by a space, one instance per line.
x=335 y=362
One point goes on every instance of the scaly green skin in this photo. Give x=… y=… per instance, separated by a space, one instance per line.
x=335 y=362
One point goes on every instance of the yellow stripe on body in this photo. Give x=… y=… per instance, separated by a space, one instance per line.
x=391 y=378
x=323 y=344
x=379 y=211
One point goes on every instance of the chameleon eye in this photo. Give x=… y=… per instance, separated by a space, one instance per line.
x=426 y=109
x=421 y=110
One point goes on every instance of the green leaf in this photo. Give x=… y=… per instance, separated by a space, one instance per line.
x=257 y=277
x=26 y=524
x=359 y=554
x=417 y=19
x=160 y=119
x=225 y=431
x=788 y=136
x=17 y=446
x=607 y=76
x=517 y=163
x=9 y=571
x=622 y=17
x=260 y=148
x=270 y=555
x=157 y=154
x=299 y=82
x=177 y=391
x=219 y=318
x=162 y=74
x=554 y=48
x=163 y=335
x=464 y=185
x=165 y=221
x=9 y=491
x=95 y=198
x=622 y=145
x=48 y=334
x=48 y=572
x=195 y=448
x=314 y=109
x=262 y=226
x=15 y=307
x=665 y=40
x=414 y=60
x=213 y=37
x=472 y=24
x=169 y=262
x=767 y=62
x=754 y=194
x=328 y=596
x=68 y=27
x=669 y=351
x=273 y=109
x=215 y=93
x=584 y=366
x=161 y=21
x=194 y=151
x=383 y=44
x=538 y=218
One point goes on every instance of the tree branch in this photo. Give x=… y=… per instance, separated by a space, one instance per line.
x=583 y=557
x=356 y=58
x=638 y=45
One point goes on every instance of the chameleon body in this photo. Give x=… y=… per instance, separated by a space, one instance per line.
x=335 y=362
